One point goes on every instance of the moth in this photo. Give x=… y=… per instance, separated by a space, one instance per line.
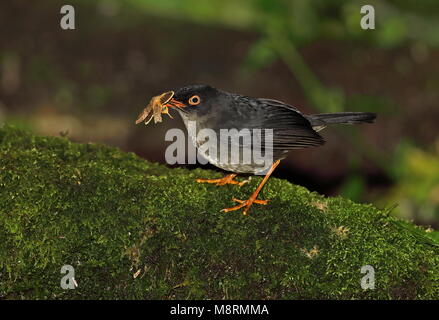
x=156 y=107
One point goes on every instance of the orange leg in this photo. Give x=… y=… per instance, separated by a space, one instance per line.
x=248 y=203
x=223 y=181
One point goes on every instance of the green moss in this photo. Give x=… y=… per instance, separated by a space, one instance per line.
x=109 y=214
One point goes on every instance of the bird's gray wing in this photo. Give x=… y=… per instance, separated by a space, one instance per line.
x=291 y=130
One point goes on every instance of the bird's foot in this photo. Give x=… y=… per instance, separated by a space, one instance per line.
x=245 y=203
x=223 y=181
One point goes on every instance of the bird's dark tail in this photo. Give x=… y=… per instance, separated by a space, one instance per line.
x=324 y=119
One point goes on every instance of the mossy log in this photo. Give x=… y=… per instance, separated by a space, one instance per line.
x=139 y=230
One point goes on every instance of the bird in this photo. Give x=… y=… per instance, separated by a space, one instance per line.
x=209 y=108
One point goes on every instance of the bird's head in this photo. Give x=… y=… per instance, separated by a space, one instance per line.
x=196 y=100
x=192 y=102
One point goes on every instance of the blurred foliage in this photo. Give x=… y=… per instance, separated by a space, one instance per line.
x=416 y=189
x=287 y=24
x=307 y=20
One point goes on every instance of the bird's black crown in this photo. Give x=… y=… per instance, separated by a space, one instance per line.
x=185 y=93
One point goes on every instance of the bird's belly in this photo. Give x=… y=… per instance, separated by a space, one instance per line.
x=235 y=159
x=238 y=157
x=242 y=168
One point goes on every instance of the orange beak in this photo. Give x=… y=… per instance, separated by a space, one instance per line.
x=174 y=104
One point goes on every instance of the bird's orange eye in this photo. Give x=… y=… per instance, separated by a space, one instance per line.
x=194 y=100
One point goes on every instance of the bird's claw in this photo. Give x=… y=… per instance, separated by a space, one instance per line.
x=245 y=203
x=223 y=181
